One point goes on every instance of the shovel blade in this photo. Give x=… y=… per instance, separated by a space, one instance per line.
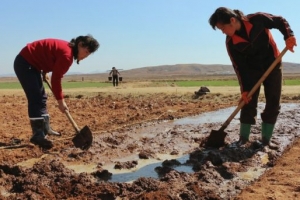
x=216 y=139
x=83 y=139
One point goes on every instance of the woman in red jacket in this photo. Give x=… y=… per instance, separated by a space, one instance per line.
x=252 y=50
x=37 y=59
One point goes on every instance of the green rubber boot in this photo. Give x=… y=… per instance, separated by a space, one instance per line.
x=266 y=132
x=244 y=132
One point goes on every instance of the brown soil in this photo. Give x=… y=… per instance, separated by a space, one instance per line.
x=116 y=119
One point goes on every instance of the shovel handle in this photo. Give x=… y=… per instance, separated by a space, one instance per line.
x=255 y=87
x=72 y=121
x=66 y=111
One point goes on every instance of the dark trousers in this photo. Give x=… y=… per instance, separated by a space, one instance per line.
x=272 y=89
x=32 y=84
x=115 y=80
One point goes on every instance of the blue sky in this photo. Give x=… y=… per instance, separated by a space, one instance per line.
x=132 y=33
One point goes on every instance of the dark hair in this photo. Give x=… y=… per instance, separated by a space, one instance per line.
x=223 y=15
x=87 y=41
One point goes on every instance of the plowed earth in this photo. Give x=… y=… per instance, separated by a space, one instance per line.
x=131 y=128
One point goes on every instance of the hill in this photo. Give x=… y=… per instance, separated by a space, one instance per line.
x=179 y=71
x=197 y=69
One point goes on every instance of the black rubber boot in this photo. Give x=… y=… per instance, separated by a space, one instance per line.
x=38 y=138
x=48 y=129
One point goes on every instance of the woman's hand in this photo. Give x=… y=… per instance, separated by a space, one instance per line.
x=291 y=43
x=45 y=77
x=62 y=105
x=245 y=98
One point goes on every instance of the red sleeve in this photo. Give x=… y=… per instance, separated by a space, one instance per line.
x=60 y=67
x=50 y=55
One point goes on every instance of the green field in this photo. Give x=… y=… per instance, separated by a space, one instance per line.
x=191 y=83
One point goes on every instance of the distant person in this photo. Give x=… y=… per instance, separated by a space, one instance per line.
x=115 y=78
x=252 y=50
x=34 y=61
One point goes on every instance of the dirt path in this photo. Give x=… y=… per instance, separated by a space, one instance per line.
x=129 y=131
x=281 y=182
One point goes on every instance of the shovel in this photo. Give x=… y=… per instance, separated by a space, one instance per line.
x=217 y=137
x=83 y=138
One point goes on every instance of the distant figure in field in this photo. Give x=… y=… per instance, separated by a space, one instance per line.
x=115 y=78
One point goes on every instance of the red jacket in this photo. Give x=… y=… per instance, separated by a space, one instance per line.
x=253 y=47
x=50 y=55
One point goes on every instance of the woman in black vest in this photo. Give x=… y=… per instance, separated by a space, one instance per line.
x=252 y=50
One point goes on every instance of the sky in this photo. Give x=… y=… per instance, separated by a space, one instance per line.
x=132 y=33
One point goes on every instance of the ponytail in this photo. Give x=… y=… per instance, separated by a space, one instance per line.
x=87 y=41
x=223 y=15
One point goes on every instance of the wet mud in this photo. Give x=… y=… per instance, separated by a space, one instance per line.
x=145 y=149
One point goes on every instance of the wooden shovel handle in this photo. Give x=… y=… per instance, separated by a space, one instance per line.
x=66 y=112
x=255 y=87
x=72 y=121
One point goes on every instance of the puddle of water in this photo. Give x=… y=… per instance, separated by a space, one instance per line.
x=251 y=174
x=264 y=159
x=30 y=162
x=222 y=114
x=144 y=169
x=129 y=176
x=210 y=117
x=80 y=168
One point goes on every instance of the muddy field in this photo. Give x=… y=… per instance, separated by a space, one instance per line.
x=147 y=145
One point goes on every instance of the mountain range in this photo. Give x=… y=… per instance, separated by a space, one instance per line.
x=189 y=71
x=181 y=70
